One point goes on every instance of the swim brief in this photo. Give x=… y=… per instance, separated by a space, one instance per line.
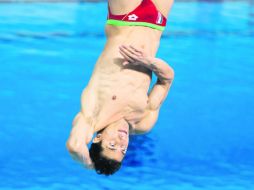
x=146 y=14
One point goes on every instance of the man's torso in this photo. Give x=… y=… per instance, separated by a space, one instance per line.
x=116 y=91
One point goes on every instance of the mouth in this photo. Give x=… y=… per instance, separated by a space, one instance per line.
x=123 y=132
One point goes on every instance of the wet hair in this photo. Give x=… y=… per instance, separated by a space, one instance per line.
x=102 y=164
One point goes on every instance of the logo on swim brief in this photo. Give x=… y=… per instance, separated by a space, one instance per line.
x=159 y=19
x=132 y=17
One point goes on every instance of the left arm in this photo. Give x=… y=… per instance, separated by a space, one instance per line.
x=80 y=136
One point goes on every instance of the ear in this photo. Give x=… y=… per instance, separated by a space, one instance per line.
x=98 y=138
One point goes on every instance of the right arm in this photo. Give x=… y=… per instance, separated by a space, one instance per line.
x=165 y=76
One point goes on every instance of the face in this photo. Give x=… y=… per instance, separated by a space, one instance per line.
x=114 y=140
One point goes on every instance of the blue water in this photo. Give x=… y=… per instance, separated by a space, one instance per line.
x=204 y=138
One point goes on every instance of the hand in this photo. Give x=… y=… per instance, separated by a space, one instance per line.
x=79 y=152
x=135 y=56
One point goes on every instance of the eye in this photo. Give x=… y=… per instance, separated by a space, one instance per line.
x=111 y=144
x=124 y=151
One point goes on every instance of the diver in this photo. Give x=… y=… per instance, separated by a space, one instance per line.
x=117 y=102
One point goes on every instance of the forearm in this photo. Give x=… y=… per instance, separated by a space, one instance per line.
x=136 y=56
x=161 y=69
x=80 y=136
x=81 y=128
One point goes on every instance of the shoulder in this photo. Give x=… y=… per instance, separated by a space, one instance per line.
x=146 y=124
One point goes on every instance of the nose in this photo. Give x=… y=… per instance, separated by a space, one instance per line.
x=122 y=137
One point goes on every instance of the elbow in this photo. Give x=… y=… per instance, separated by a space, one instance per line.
x=171 y=73
x=70 y=147
x=169 y=77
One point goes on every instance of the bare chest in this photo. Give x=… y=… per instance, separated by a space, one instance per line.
x=120 y=95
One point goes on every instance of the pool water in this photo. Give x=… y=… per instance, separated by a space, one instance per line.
x=204 y=137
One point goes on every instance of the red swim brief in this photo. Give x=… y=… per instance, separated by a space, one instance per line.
x=146 y=14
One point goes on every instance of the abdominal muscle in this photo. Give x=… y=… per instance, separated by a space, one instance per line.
x=116 y=91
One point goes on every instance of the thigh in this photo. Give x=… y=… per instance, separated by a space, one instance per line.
x=163 y=6
x=119 y=7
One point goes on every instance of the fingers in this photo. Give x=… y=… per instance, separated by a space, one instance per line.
x=136 y=50
x=130 y=53
x=126 y=56
x=131 y=50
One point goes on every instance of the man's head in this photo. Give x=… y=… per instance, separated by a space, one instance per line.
x=109 y=147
